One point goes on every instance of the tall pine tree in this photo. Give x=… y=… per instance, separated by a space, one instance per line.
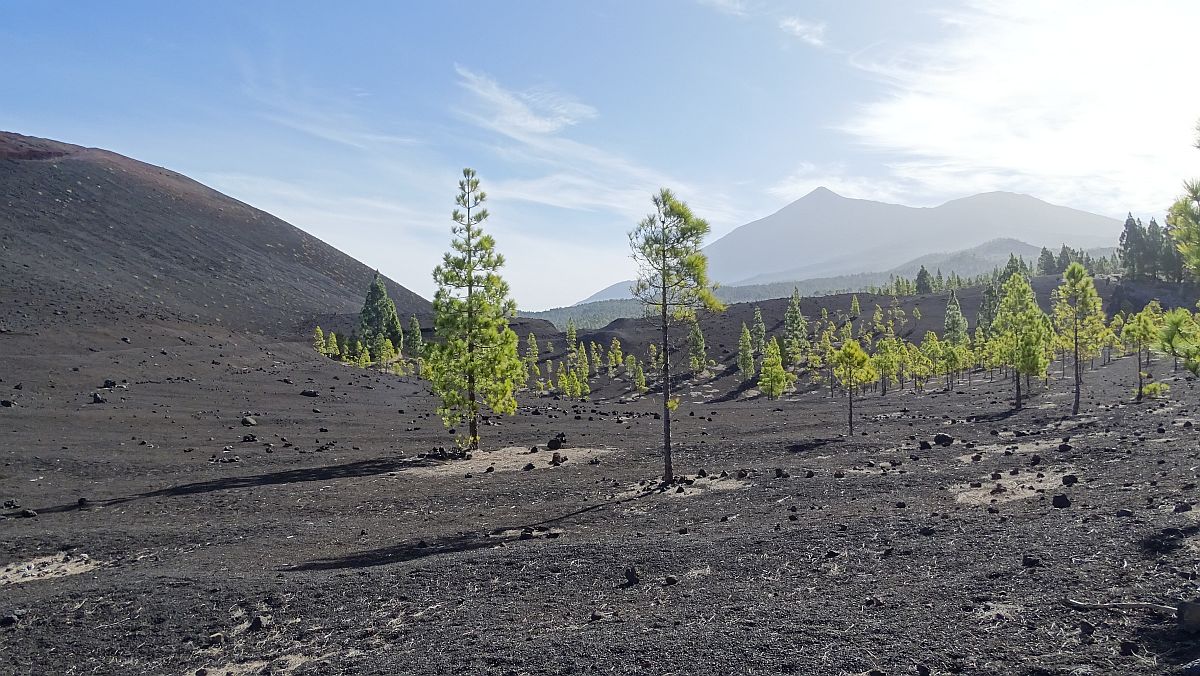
x=477 y=362
x=672 y=282
x=1079 y=320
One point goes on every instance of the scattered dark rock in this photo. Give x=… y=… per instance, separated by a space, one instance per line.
x=942 y=439
x=259 y=623
x=249 y=421
x=309 y=393
x=1060 y=501
x=98 y=398
x=1070 y=480
x=28 y=513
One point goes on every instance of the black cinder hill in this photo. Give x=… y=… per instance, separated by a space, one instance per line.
x=90 y=237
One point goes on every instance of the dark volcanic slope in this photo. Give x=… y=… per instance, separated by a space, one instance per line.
x=87 y=234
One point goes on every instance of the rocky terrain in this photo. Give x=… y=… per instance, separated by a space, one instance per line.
x=183 y=495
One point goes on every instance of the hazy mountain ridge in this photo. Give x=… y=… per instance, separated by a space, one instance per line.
x=971 y=262
x=836 y=236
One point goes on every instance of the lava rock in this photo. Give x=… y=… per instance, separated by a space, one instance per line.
x=249 y=421
x=942 y=439
x=309 y=393
x=1060 y=501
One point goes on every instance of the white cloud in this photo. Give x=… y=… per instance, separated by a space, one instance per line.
x=537 y=111
x=1072 y=101
x=812 y=32
x=734 y=7
x=571 y=174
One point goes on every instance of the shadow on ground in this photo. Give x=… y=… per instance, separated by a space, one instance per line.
x=349 y=470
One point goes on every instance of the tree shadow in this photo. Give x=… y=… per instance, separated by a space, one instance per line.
x=1166 y=540
x=349 y=470
x=997 y=416
x=460 y=542
x=810 y=445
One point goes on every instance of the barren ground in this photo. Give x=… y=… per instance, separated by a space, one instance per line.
x=332 y=546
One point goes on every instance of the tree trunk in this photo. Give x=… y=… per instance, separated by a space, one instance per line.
x=1139 y=370
x=1078 y=373
x=1018 y=381
x=850 y=390
x=472 y=405
x=668 y=471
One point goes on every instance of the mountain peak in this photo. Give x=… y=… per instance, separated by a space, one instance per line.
x=820 y=191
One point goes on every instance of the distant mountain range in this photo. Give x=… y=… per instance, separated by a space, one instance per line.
x=969 y=262
x=824 y=235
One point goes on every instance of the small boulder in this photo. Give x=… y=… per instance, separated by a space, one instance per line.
x=1060 y=501
x=249 y=421
x=942 y=439
x=309 y=393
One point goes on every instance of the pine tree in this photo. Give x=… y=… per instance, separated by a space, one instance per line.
x=416 y=344
x=924 y=283
x=758 y=332
x=1184 y=227
x=1015 y=266
x=1046 y=264
x=1079 y=319
x=774 y=380
x=1139 y=331
x=1021 y=331
x=697 y=353
x=987 y=309
x=795 y=332
x=1179 y=337
x=855 y=308
x=318 y=341
x=745 y=354
x=572 y=337
x=531 y=356
x=478 y=356
x=887 y=360
x=615 y=357
x=597 y=358
x=852 y=367
x=672 y=282
x=639 y=378
x=1131 y=251
x=332 y=350
x=955 y=331
x=378 y=315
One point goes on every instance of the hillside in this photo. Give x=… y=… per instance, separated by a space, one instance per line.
x=88 y=236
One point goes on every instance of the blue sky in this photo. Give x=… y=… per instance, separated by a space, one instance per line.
x=354 y=125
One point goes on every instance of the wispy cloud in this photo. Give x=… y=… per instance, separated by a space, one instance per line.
x=1056 y=100
x=734 y=7
x=324 y=115
x=570 y=174
x=812 y=32
x=536 y=111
